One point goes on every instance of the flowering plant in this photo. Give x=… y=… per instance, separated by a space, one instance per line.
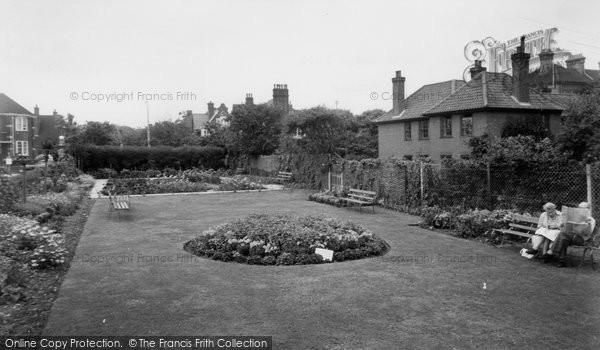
x=285 y=239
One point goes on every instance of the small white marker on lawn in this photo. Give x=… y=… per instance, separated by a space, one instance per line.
x=484 y=285
x=325 y=253
x=103 y=320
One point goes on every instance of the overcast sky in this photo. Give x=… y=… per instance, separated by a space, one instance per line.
x=61 y=54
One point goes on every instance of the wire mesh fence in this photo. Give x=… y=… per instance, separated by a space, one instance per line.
x=507 y=187
x=412 y=184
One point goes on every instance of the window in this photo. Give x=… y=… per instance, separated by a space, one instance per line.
x=21 y=123
x=446 y=125
x=22 y=148
x=408 y=157
x=466 y=125
x=423 y=129
x=547 y=121
x=446 y=156
x=407 y=131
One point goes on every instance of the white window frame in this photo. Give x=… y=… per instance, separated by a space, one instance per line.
x=23 y=147
x=21 y=124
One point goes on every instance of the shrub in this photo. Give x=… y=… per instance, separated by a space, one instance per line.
x=38 y=245
x=136 y=157
x=475 y=223
x=284 y=239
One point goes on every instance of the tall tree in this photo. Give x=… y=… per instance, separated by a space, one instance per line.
x=96 y=133
x=322 y=130
x=255 y=129
x=580 y=134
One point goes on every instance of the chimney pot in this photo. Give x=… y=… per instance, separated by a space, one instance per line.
x=36 y=110
x=576 y=62
x=476 y=69
x=546 y=60
x=398 y=92
x=520 y=73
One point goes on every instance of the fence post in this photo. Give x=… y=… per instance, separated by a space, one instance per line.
x=342 y=180
x=489 y=184
x=421 y=181
x=329 y=180
x=588 y=177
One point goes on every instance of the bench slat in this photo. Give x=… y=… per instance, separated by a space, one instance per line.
x=358 y=201
x=357 y=196
x=517 y=233
x=525 y=218
x=371 y=193
x=523 y=227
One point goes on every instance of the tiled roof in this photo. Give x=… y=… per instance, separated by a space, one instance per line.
x=490 y=91
x=421 y=100
x=562 y=100
x=594 y=74
x=561 y=75
x=9 y=106
x=199 y=120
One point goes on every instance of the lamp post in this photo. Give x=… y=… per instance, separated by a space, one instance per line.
x=148 y=122
x=24 y=160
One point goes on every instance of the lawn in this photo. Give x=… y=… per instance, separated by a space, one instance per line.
x=130 y=276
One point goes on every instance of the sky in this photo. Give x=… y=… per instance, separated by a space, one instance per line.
x=125 y=61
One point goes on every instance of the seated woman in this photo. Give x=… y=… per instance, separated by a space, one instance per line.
x=549 y=226
x=574 y=236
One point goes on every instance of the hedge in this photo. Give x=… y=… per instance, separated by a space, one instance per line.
x=91 y=158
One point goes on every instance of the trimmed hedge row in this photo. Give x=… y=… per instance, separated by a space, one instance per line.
x=91 y=158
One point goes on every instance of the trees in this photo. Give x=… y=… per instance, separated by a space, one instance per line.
x=323 y=130
x=515 y=150
x=331 y=131
x=168 y=133
x=255 y=129
x=95 y=133
x=580 y=134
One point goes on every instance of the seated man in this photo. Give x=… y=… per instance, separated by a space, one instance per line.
x=575 y=234
x=549 y=226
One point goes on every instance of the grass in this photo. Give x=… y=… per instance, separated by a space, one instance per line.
x=131 y=276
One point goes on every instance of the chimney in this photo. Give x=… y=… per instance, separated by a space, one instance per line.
x=249 y=99
x=476 y=69
x=398 y=92
x=520 y=73
x=211 y=109
x=281 y=97
x=546 y=60
x=36 y=110
x=576 y=62
x=54 y=113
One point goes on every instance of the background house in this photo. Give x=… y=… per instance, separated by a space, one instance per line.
x=438 y=120
x=23 y=132
x=196 y=122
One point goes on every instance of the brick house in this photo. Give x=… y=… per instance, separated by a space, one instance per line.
x=23 y=132
x=438 y=120
x=197 y=121
x=16 y=128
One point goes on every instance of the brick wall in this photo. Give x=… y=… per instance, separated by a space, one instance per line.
x=392 y=142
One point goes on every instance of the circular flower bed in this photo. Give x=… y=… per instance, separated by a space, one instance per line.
x=283 y=239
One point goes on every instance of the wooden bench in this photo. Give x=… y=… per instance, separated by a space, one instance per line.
x=590 y=245
x=283 y=177
x=360 y=197
x=522 y=225
x=118 y=203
